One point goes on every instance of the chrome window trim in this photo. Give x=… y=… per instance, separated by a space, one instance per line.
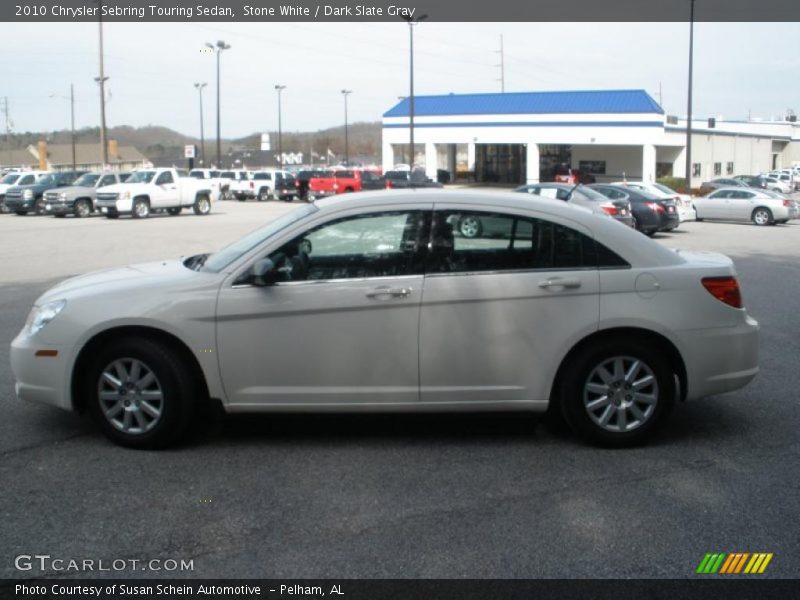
x=319 y=281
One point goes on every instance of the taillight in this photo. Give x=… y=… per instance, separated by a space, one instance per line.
x=335 y=186
x=609 y=209
x=252 y=185
x=654 y=206
x=724 y=289
x=787 y=203
x=388 y=184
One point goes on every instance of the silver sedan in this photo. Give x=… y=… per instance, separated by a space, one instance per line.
x=762 y=207
x=374 y=303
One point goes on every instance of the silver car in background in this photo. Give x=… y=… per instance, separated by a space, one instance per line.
x=762 y=207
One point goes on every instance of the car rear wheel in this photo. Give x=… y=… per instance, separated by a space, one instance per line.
x=202 y=205
x=617 y=393
x=82 y=209
x=762 y=216
x=470 y=227
x=141 y=208
x=263 y=195
x=140 y=393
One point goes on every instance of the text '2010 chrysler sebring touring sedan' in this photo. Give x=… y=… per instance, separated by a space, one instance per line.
x=374 y=303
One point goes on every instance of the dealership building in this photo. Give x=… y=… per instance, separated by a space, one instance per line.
x=515 y=138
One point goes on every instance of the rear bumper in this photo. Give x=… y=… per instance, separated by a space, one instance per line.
x=719 y=360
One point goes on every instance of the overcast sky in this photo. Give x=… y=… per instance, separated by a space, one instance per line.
x=739 y=68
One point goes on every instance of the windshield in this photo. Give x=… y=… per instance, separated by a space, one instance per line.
x=197 y=174
x=219 y=260
x=88 y=180
x=661 y=187
x=10 y=178
x=141 y=177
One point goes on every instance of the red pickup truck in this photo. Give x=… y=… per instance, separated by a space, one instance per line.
x=342 y=181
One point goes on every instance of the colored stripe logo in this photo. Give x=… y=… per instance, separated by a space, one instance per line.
x=734 y=563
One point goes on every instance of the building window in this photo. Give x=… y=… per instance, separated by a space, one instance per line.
x=717 y=168
x=729 y=168
x=596 y=167
x=695 y=169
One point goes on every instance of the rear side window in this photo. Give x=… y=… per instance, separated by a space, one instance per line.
x=476 y=241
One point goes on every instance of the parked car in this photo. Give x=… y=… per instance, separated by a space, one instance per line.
x=302 y=178
x=236 y=184
x=755 y=181
x=15 y=178
x=23 y=199
x=213 y=179
x=155 y=189
x=737 y=204
x=408 y=178
x=582 y=196
x=776 y=185
x=722 y=182
x=788 y=178
x=565 y=311
x=79 y=198
x=272 y=183
x=344 y=181
x=686 y=210
x=651 y=213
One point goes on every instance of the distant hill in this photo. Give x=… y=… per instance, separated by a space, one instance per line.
x=161 y=143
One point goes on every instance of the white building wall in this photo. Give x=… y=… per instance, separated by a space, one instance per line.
x=621 y=161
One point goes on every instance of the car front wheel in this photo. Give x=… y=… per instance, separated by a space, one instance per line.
x=140 y=393
x=618 y=393
x=202 y=205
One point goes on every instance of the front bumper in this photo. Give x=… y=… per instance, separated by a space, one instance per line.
x=41 y=379
x=14 y=204
x=59 y=207
x=722 y=359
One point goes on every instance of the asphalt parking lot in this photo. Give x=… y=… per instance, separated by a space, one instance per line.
x=487 y=496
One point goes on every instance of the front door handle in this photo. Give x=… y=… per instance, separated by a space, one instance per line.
x=563 y=282
x=387 y=292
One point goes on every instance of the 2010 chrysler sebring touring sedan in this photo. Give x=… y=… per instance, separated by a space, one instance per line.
x=374 y=303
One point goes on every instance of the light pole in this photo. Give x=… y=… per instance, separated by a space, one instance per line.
x=200 y=87
x=279 y=89
x=218 y=48
x=346 y=93
x=689 y=103
x=411 y=22
x=71 y=99
x=102 y=81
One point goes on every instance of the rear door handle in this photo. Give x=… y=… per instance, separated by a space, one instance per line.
x=387 y=292
x=560 y=282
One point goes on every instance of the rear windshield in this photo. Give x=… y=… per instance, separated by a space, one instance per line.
x=345 y=174
x=591 y=194
x=197 y=174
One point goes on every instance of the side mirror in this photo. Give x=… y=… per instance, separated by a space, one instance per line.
x=264 y=273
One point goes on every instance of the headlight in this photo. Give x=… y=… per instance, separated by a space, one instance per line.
x=125 y=195
x=42 y=315
x=62 y=196
x=27 y=194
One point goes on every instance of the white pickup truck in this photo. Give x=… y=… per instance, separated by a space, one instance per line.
x=149 y=190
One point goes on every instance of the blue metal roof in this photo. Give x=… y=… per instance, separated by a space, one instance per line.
x=520 y=103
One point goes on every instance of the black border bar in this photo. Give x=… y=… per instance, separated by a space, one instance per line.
x=383 y=10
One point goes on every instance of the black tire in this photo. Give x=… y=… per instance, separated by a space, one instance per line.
x=59 y=215
x=21 y=213
x=650 y=233
x=470 y=227
x=202 y=205
x=263 y=195
x=581 y=374
x=112 y=215
x=699 y=219
x=82 y=209
x=288 y=198
x=174 y=211
x=38 y=206
x=141 y=208
x=762 y=216
x=171 y=377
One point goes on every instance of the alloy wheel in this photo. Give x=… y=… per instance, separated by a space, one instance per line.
x=469 y=227
x=620 y=394
x=130 y=396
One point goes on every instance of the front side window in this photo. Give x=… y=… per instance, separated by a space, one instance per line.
x=164 y=178
x=385 y=244
x=474 y=241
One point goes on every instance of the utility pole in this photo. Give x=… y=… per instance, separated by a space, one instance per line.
x=8 y=130
x=102 y=81
x=346 y=93
x=72 y=123
x=502 y=66
x=221 y=45
x=200 y=87
x=689 y=102
x=279 y=89
x=411 y=22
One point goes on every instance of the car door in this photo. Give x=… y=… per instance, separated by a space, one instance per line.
x=341 y=326
x=714 y=206
x=165 y=191
x=742 y=203
x=500 y=309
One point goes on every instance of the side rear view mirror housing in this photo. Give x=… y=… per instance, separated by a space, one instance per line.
x=264 y=273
